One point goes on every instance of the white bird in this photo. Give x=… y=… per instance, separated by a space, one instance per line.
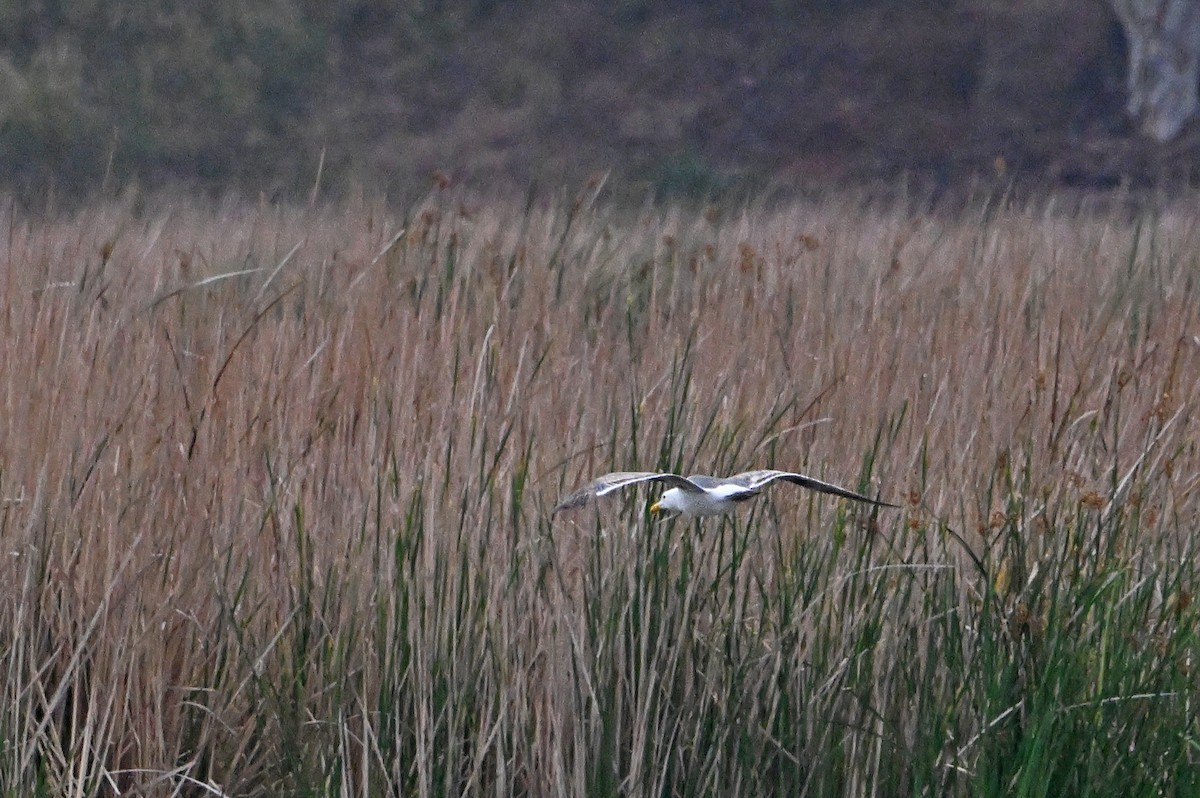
x=702 y=495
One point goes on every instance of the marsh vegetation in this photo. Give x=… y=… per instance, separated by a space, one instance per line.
x=277 y=483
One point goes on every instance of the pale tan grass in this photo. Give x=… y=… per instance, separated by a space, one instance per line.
x=160 y=437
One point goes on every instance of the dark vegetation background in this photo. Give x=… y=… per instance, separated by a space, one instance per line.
x=676 y=97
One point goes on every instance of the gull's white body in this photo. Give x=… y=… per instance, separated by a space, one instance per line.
x=703 y=495
x=716 y=499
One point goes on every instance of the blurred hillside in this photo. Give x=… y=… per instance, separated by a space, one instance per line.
x=675 y=97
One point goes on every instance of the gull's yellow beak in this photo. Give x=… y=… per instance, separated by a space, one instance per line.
x=656 y=507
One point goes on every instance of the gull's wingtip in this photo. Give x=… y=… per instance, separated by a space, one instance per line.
x=859 y=497
x=570 y=503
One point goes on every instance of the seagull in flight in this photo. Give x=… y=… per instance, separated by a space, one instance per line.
x=703 y=495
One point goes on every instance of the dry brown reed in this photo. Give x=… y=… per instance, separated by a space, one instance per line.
x=276 y=484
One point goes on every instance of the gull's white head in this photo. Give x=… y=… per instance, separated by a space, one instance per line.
x=670 y=502
x=698 y=504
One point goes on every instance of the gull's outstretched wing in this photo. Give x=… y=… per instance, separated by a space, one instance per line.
x=754 y=480
x=602 y=486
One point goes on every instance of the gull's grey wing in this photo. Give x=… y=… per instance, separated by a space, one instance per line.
x=754 y=480
x=725 y=487
x=602 y=486
x=707 y=482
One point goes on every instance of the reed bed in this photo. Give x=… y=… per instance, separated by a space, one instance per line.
x=276 y=488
